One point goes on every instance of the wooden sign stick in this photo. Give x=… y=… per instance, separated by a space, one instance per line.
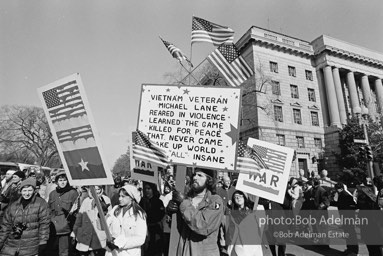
x=102 y=217
x=174 y=235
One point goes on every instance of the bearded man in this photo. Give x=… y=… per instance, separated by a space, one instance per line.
x=200 y=215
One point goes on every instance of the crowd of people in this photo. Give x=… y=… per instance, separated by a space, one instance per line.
x=46 y=216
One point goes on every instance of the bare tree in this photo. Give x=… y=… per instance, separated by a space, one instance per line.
x=25 y=136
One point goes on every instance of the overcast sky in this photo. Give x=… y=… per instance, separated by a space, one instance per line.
x=114 y=45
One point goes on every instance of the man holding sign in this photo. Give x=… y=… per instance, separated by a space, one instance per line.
x=201 y=214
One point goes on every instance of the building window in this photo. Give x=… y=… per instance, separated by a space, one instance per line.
x=292 y=71
x=314 y=118
x=276 y=88
x=281 y=139
x=297 y=116
x=311 y=93
x=294 y=91
x=318 y=143
x=273 y=67
x=300 y=142
x=309 y=75
x=278 y=114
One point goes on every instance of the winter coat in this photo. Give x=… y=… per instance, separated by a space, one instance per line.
x=199 y=226
x=87 y=227
x=36 y=217
x=321 y=199
x=129 y=232
x=60 y=205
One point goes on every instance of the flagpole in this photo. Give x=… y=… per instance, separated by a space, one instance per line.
x=191 y=50
x=190 y=74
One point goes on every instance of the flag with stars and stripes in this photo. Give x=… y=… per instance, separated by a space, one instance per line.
x=248 y=160
x=73 y=130
x=146 y=150
x=274 y=159
x=230 y=64
x=208 y=32
x=176 y=52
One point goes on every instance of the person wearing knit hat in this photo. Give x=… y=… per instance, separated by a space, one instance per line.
x=201 y=213
x=127 y=224
x=19 y=174
x=25 y=228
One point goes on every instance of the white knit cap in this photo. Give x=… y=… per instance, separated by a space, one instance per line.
x=132 y=192
x=11 y=172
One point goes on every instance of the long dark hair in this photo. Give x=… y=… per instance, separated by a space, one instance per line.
x=137 y=210
x=211 y=185
x=248 y=203
x=156 y=193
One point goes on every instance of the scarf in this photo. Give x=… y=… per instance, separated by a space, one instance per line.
x=63 y=190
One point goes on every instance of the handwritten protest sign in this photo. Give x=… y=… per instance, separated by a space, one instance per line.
x=270 y=181
x=195 y=125
x=71 y=122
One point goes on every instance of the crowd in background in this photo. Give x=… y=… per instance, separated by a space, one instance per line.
x=46 y=216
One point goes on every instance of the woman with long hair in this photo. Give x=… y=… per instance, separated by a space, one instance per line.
x=127 y=224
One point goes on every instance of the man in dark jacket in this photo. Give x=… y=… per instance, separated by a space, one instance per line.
x=321 y=203
x=60 y=203
x=25 y=228
x=201 y=216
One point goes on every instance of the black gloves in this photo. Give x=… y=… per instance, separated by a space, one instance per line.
x=172 y=207
x=42 y=248
x=178 y=197
x=111 y=245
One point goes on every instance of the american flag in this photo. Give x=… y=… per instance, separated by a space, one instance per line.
x=274 y=159
x=64 y=102
x=230 y=63
x=206 y=31
x=248 y=160
x=146 y=150
x=76 y=133
x=176 y=52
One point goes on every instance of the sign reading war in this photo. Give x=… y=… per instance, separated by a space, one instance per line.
x=195 y=125
x=72 y=126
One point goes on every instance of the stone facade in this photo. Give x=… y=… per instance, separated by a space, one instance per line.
x=325 y=82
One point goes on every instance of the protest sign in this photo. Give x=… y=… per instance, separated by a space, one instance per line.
x=195 y=125
x=144 y=171
x=270 y=180
x=71 y=122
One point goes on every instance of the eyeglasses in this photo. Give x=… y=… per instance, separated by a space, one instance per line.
x=238 y=196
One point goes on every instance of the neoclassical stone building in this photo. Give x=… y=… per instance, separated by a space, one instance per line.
x=312 y=89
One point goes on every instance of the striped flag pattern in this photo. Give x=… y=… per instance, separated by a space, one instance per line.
x=64 y=102
x=208 y=32
x=176 y=52
x=231 y=65
x=146 y=150
x=248 y=160
x=274 y=159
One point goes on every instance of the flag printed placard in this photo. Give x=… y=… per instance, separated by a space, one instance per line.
x=230 y=64
x=208 y=32
x=71 y=122
x=176 y=52
x=267 y=178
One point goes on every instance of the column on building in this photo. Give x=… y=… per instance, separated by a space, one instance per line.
x=353 y=93
x=339 y=96
x=331 y=97
x=323 y=100
x=379 y=94
x=367 y=94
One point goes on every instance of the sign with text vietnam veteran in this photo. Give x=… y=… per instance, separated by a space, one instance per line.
x=71 y=122
x=270 y=180
x=195 y=125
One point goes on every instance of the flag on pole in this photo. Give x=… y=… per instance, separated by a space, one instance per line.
x=206 y=31
x=248 y=160
x=274 y=159
x=230 y=63
x=176 y=52
x=146 y=150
